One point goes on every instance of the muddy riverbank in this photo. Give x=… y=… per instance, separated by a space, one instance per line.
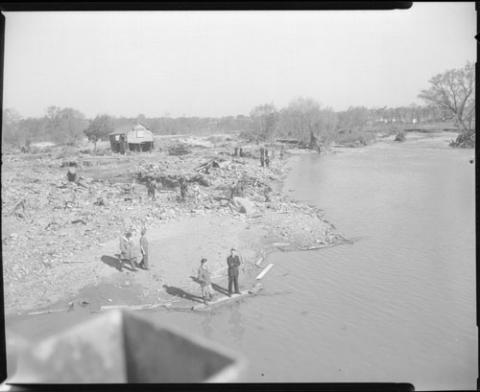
x=60 y=244
x=397 y=305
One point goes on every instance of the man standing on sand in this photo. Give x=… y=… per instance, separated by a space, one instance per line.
x=144 y=249
x=126 y=250
x=233 y=262
x=123 y=247
x=129 y=250
x=205 y=282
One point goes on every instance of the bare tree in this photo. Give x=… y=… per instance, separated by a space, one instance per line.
x=306 y=120
x=99 y=128
x=65 y=125
x=10 y=126
x=453 y=92
x=264 y=121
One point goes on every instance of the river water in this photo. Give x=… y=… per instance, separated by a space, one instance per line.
x=396 y=306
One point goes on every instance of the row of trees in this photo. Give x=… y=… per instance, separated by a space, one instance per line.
x=299 y=119
x=451 y=96
x=305 y=117
x=69 y=126
x=64 y=126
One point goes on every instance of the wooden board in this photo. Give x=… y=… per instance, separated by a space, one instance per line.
x=130 y=307
x=222 y=300
x=260 y=261
x=47 y=311
x=264 y=272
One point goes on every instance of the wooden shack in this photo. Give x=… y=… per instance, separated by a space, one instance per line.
x=137 y=138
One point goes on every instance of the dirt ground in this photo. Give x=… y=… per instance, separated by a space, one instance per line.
x=60 y=238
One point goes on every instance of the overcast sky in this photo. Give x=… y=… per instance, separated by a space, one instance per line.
x=224 y=63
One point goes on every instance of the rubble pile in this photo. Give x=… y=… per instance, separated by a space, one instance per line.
x=179 y=149
x=49 y=220
x=298 y=226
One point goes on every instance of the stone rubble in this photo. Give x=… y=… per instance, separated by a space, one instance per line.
x=48 y=220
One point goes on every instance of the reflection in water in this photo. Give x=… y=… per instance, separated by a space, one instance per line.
x=235 y=321
x=206 y=325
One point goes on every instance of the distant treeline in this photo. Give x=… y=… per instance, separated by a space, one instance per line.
x=450 y=96
x=304 y=119
x=298 y=120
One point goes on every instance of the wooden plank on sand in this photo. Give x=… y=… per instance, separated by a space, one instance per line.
x=130 y=307
x=263 y=273
x=47 y=312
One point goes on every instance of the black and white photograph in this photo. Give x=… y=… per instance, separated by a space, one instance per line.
x=240 y=196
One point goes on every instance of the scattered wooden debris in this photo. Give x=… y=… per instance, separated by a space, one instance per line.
x=205 y=167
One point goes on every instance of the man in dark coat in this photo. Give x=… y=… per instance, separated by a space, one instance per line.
x=233 y=262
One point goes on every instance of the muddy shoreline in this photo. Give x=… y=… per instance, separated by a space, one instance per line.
x=60 y=256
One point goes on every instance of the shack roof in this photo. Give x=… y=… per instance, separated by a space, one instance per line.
x=125 y=129
x=136 y=134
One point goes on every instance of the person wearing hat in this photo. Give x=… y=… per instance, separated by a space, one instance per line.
x=205 y=281
x=233 y=262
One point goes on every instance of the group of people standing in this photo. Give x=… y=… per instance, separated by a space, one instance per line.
x=129 y=255
x=151 y=185
x=234 y=261
x=127 y=250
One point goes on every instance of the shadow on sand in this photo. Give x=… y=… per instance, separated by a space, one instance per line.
x=216 y=287
x=177 y=292
x=115 y=263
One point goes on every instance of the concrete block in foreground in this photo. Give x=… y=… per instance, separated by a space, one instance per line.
x=122 y=347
